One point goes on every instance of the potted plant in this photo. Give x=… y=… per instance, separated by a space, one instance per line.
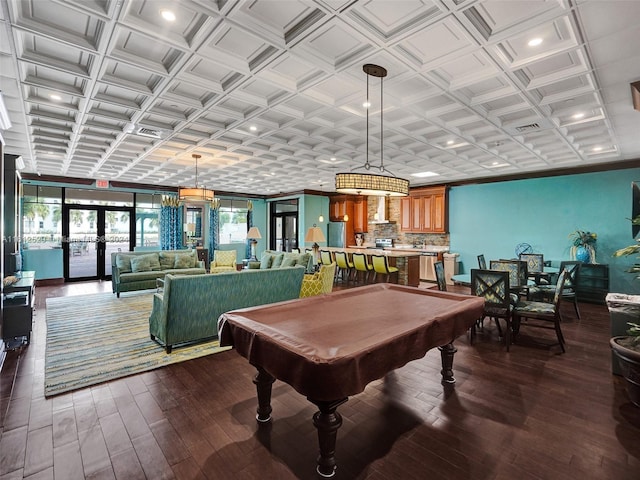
x=626 y=348
x=583 y=246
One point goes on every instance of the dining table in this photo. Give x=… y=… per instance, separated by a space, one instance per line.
x=464 y=279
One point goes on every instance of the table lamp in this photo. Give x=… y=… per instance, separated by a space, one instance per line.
x=315 y=235
x=253 y=234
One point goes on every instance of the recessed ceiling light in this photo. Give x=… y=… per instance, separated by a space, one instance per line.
x=425 y=174
x=449 y=142
x=366 y=104
x=168 y=15
x=53 y=96
x=578 y=116
x=597 y=149
x=253 y=128
x=534 y=42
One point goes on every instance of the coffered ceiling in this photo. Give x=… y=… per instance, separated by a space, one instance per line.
x=271 y=92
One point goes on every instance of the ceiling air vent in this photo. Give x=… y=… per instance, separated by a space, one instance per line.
x=147 y=132
x=528 y=128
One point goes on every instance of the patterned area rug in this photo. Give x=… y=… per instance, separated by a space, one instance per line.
x=95 y=338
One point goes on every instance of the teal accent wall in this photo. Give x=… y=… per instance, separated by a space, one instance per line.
x=492 y=218
x=314 y=206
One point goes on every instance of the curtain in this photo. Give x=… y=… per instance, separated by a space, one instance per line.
x=247 y=252
x=214 y=230
x=170 y=224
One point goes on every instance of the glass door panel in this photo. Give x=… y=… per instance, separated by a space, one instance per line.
x=83 y=241
x=117 y=237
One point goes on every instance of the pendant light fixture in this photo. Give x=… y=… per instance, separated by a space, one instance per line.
x=385 y=184
x=195 y=194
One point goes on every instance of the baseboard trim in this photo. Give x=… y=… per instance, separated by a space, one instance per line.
x=44 y=282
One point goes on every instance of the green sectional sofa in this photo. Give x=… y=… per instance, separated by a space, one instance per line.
x=272 y=259
x=139 y=270
x=188 y=308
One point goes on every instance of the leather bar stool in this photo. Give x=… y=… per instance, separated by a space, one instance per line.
x=362 y=266
x=381 y=266
x=345 y=266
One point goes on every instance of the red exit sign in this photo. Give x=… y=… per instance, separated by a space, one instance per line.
x=102 y=183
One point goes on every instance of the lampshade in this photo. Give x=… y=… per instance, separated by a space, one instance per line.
x=195 y=194
x=315 y=235
x=254 y=233
x=367 y=183
x=190 y=228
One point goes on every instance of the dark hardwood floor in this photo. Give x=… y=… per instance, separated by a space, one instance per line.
x=532 y=413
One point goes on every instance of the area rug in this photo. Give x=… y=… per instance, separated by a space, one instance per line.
x=95 y=338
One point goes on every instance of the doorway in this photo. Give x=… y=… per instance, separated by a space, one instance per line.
x=284 y=225
x=92 y=233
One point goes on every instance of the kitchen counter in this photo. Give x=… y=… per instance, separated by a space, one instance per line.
x=408 y=262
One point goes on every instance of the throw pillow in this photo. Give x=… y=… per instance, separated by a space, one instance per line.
x=303 y=259
x=123 y=262
x=183 y=260
x=167 y=260
x=265 y=261
x=141 y=263
x=277 y=260
x=290 y=260
x=154 y=261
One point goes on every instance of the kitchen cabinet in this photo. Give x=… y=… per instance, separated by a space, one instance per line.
x=424 y=211
x=355 y=207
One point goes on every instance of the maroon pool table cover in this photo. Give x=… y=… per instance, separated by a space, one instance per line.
x=331 y=346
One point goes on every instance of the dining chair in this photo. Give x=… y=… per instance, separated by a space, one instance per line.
x=361 y=266
x=345 y=266
x=517 y=274
x=440 y=277
x=493 y=286
x=545 y=292
x=381 y=266
x=482 y=263
x=325 y=257
x=535 y=267
x=541 y=314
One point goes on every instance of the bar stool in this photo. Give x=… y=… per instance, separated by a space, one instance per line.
x=325 y=257
x=344 y=265
x=361 y=264
x=381 y=266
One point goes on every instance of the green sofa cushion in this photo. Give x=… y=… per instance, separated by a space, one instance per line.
x=266 y=261
x=277 y=260
x=184 y=260
x=123 y=262
x=167 y=260
x=145 y=263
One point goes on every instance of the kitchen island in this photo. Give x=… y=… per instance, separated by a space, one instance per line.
x=407 y=262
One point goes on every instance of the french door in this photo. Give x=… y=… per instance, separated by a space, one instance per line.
x=284 y=225
x=92 y=233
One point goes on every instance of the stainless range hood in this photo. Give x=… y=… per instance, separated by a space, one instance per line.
x=382 y=211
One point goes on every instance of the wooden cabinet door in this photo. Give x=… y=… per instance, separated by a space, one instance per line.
x=438 y=213
x=426 y=205
x=337 y=209
x=360 y=214
x=405 y=214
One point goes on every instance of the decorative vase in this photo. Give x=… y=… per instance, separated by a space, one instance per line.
x=583 y=255
x=629 y=361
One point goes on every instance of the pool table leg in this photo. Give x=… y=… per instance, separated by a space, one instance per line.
x=446 y=355
x=327 y=421
x=263 y=382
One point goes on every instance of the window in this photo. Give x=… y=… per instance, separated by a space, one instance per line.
x=41 y=217
x=147 y=219
x=233 y=221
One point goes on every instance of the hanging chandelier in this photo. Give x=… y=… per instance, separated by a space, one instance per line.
x=385 y=183
x=196 y=193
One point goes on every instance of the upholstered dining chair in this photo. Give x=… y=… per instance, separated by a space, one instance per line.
x=517 y=274
x=362 y=266
x=381 y=267
x=482 y=263
x=440 y=277
x=223 y=261
x=535 y=266
x=345 y=266
x=541 y=314
x=545 y=293
x=493 y=286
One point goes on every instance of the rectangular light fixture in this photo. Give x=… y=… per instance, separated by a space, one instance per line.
x=425 y=174
x=5 y=122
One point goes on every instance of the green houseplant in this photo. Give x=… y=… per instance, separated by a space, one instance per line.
x=583 y=246
x=626 y=348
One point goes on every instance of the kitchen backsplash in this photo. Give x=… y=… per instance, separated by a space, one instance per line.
x=392 y=229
